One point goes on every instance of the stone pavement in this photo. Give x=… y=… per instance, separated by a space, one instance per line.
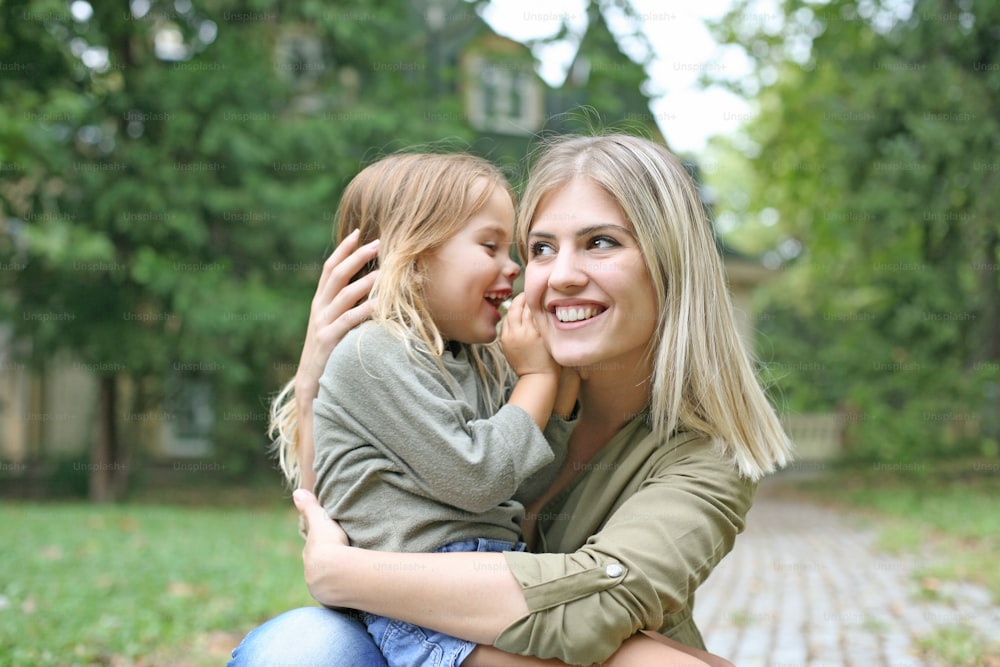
x=806 y=586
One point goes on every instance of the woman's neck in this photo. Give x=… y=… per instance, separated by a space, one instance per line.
x=609 y=400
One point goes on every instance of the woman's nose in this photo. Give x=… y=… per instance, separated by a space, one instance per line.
x=566 y=271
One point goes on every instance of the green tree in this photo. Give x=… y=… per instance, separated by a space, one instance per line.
x=170 y=170
x=874 y=148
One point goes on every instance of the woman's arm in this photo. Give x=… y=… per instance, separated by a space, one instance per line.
x=641 y=566
x=335 y=310
x=447 y=579
x=649 y=526
x=644 y=649
x=429 y=589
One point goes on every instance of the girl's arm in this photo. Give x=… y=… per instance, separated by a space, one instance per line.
x=335 y=311
x=412 y=409
x=537 y=372
x=569 y=389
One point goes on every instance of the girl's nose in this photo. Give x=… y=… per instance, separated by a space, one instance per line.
x=511 y=269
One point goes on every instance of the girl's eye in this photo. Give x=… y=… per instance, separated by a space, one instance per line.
x=539 y=248
x=603 y=242
x=489 y=245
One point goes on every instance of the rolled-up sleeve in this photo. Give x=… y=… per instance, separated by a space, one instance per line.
x=656 y=547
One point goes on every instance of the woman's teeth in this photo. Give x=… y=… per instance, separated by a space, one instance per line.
x=576 y=314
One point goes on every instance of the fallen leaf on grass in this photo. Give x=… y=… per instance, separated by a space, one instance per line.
x=222 y=643
x=180 y=589
x=127 y=524
x=183 y=589
x=50 y=552
x=930 y=584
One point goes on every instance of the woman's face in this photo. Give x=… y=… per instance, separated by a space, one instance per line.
x=586 y=282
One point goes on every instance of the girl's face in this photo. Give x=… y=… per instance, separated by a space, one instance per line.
x=586 y=282
x=471 y=274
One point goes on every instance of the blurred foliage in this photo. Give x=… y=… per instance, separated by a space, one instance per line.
x=873 y=174
x=170 y=173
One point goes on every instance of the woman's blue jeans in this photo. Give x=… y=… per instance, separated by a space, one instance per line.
x=309 y=637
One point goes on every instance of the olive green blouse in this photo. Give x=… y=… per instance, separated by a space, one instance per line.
x=626 y=544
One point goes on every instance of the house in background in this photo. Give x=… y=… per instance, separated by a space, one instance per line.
x=491 y=82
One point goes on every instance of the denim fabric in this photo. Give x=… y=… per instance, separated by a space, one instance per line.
x=309 y=637
x=407 y=645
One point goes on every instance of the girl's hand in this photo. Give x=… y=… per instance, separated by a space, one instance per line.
x=522 y=344
x=324 y=541
x=335 y=311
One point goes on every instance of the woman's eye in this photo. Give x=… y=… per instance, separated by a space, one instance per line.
x=603 y=242
x=539 y=248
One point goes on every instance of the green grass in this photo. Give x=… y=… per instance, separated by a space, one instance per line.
x=179 y=574
x=951 y=509
x=142 y=584
x=958 y=646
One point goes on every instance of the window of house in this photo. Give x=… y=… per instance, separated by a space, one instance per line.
x=299 y=57
x=503 y=96
x=190 y=416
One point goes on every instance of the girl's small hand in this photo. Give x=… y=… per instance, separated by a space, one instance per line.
x=522 y=344
x=324 y=540
x=335 y=310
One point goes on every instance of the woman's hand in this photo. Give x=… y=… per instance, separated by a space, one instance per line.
x=324 y=541
x=429 y=589
x=335 y=311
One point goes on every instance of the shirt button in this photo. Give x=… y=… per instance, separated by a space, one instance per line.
x=614 y=570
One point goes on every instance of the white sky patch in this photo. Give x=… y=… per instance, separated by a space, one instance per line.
x=81 y=11
x=683 y=50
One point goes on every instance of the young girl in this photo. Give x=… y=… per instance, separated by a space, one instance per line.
x=415 y=448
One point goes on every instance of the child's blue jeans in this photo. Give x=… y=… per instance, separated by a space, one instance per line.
x=405 y=645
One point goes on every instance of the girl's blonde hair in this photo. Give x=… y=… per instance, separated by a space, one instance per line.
x=703 y=379
x=413 y=203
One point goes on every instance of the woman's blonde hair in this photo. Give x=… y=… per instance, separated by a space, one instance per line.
x=703 y=380
x=413 y=203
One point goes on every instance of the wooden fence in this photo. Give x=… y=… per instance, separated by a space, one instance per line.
x=817 y=437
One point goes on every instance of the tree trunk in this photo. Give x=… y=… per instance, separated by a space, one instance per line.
x=108 y=470
x=988 y=352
